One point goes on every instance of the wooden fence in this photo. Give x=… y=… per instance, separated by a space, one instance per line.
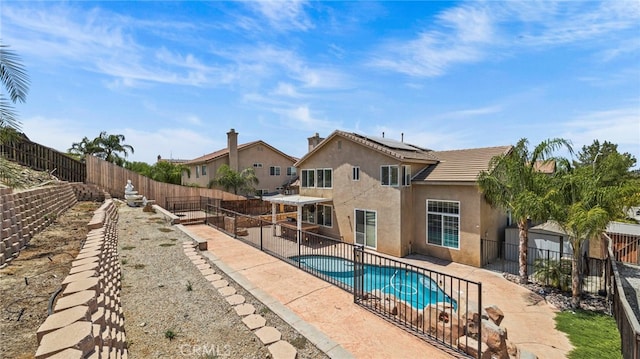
x=112 y=179
x=42 y=158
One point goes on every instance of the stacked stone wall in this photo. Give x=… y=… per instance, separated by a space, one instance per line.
x=87 y=319
x=26 y=213
x=88 y=192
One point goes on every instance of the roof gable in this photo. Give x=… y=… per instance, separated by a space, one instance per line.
x=225 y=152
x=400 y=151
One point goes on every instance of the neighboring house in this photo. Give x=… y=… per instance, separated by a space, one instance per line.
x=397 y=198
x=171 y=160
x=273 y=168
x=550 y=236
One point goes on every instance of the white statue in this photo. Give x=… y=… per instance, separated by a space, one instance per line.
x=129 y=187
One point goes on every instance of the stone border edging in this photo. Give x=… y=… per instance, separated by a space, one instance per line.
x=88 y=320
x=315 y=336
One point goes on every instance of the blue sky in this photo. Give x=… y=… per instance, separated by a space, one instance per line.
x=174 y=77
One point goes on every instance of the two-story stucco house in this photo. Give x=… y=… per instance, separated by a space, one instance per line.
x=273 y=168
x=397 y=198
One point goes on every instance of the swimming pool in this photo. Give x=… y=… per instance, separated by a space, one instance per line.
x=412 y=287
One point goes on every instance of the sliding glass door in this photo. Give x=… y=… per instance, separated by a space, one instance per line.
x=365 y=228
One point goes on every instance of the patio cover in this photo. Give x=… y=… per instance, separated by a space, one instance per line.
x=294 y=200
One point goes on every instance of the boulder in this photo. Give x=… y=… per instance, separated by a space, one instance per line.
x=494 y=313
x=496 y=339
x=409 y=315
x=470 y=346
x=442 y=323
x=512 y=349
x=523 y=354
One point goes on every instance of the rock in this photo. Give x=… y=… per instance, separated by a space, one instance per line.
x=496 y=339
x=442 y=323
x=470 y=346
x=409 y=315
x=512 y=349
x=495 y=314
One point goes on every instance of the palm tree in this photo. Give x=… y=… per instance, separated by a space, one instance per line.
x=515 y=183
x=110 y=146
x=16 y=82
x=85 y=147
x=230 y=179
x=585 y=205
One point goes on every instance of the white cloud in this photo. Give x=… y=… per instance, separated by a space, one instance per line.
x=619 y=126
x=475 y=32
x=468 y=113
x=300 y=117
x=468 y=30
x=284 y=15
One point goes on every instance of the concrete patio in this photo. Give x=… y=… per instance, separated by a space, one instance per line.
x=342 y=325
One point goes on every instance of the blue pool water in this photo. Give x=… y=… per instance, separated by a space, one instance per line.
x=412 y=287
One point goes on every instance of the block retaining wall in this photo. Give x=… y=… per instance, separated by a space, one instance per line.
x=24 y=214
x=87 y=320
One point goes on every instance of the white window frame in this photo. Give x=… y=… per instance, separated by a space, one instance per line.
x=387 y=179
x=274 y=171
x=307 y=181
x=355 y=227
x=355 y=173
x=203 y=170
x=405 y=172
x=291 y=171
x=443 y=216
x=322 y=179
x=197 y=171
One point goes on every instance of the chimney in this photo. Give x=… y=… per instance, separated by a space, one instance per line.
x=314 y=141
x=232 y=146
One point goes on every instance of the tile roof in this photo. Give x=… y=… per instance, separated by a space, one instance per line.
x=399 y=150
x=225 y=152
x=459 y=165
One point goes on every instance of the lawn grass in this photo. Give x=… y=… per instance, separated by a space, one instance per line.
x=594 y=335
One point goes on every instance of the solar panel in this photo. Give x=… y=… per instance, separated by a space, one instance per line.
x=391 y=143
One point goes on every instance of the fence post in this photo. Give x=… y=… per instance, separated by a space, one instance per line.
x=546 y=277
x=480 y=314
x=358 y=272
x=299 y=252
x=261 y=235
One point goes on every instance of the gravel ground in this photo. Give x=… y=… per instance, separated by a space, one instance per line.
x=630 y=275
x=157 y=302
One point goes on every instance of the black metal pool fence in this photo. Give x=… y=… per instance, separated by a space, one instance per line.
x=437 y=307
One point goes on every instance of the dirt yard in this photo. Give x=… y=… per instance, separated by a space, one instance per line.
x=28 y=281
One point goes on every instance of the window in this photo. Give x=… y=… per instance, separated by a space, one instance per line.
x=260 y=192
x=197 y=172
x=406 y=175
x=308 y=179
x=324 y=214
x=355 y=173
x=274 y=171
x=291 y=171
x=204 y=170
x=257 y=165
x=365 y=228
x=309 y=214
x=324 y=177
x=389 y=176
x=443 y=223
